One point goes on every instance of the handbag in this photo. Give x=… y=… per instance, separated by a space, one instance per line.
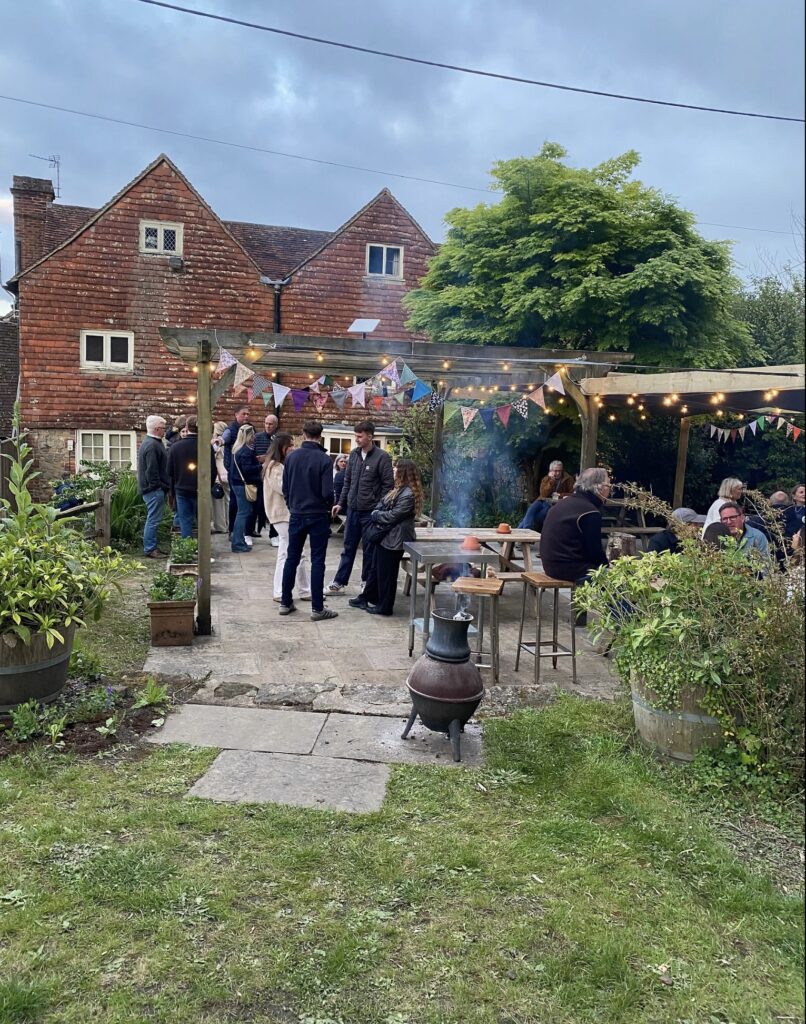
x=374 y=532
x=249 y=490
x=217 y=490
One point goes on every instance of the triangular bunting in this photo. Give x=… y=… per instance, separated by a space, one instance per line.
x=225 y=360
x=468 y=415
x=762 y=422
x=521 y=407
x=487 y=416
x=733 y=434
x=451 y=409
x=556 y=382
x=713 y=430
x=242 y=373
x=299 y=398
x=259 y=385
x=742 y=432
x=319 y=401
x=770 y=419
x=377 y=402
x=391 y=371
x=436 y=401
x=421 y=389
x=406 y=376
x=400 y=397
x=280 y=392
x=358 y=395
x=753 y=427
x=789 y=428
x=339 y=397
x=796 y=433
x=503 y=413
x=266 y=397
x=536 y=396
x=780 y=423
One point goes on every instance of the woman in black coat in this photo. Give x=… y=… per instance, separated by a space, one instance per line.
x=395 y=514
x=244 y=469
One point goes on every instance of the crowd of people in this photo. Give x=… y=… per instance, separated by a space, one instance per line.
x=261 y=479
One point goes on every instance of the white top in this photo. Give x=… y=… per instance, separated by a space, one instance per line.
x=712 y=516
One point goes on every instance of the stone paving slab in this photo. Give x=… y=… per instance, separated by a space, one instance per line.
x=390 y=701
x=325 y=783
x=367 y=738
x=233 y=728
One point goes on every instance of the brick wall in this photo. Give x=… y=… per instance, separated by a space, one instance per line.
x=31 y=199
x=9 y=371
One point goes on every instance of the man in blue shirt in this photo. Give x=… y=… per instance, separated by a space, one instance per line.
x=733 y=518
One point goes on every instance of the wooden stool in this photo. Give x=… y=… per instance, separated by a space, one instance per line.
x=488 y=589
x=538 y=582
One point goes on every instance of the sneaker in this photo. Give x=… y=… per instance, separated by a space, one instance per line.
x=286 y=609
x=335 y=588
x=275 y=542
x=357 y=602
x=305 y=597
x=248 y=541
x=325 y=613
x=279 y=600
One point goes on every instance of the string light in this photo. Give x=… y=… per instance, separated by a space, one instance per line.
x=667 y=401
x=612 y=417
x=719 y=412
x=643 y=416
x=319 y=357
x=195 y=369
x=273 y=375
x=446 y=365
x=506 y=366
x=641 y=408
x=684 y=409
x=561 y=401
x=675 y=398
x=631 y=400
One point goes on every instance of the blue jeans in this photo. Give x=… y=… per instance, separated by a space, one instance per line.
x=244 y=510
x=186 y=510
x=300 y=528
x=353 y=533
x=155 y=504
x=535 y=515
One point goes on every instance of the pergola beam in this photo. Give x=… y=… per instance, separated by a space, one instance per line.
x=697 y=382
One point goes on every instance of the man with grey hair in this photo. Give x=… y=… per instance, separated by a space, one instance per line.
x=554 y=485
x=153 y=482
x=571 y=541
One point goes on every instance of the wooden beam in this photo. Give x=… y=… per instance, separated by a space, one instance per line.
x=680 y=468
x=436 y=472
x=682 y=382
x=590 y=435
x=204 y=476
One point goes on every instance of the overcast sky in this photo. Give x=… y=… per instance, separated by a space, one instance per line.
x=135 y=62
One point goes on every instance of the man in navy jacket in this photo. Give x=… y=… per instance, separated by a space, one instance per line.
x=308 y=492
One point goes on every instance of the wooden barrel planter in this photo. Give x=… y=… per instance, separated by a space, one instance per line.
x=34 y=670
x=171 y=623
x=677 y=733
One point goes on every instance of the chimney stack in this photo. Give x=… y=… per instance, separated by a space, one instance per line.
x=32 y=197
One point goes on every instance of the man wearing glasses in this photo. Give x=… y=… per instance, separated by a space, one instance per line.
x=733 y=519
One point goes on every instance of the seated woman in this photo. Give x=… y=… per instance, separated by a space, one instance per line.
x=395 y=514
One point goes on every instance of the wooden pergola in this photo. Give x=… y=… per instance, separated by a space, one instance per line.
x=444 y=366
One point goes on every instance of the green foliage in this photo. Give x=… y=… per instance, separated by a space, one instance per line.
x=84 y=664
x=167 y=587
x=582 y=258
x=709 y=620
x=50 y=577
x=417 y=423
x=26 y=721
x=184 y=551
x=110 y=727
x=152 y=695
x=127 y=511
x=84 y=485
x=86 y=703
x=773 y=309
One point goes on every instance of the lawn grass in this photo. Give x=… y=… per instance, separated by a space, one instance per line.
x=560 y=883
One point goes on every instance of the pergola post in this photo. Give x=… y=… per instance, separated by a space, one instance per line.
x=436 y=471
x=204 y=475
x=590 y=434
x=682 y=454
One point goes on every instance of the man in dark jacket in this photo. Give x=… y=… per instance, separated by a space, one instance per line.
x=308 y=492
x=571 y=541
x=183 y=460
x=230 y=436
x=369 y=476
x=152 y=482
x=258 y=519
x=667 y=540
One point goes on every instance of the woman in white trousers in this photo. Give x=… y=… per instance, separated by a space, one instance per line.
x=278 y=514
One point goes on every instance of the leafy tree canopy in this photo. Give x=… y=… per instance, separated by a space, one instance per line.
x=773 y=308
x=583 y=258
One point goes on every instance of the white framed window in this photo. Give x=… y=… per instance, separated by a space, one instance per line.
x=162 y=237
x=107 y=350
x=384 y=260
x=117 y=447
x=339 y=439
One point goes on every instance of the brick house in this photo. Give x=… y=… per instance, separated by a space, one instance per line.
x=93 y=287
x=9 y=370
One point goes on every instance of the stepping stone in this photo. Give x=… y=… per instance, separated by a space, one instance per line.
x=206 y=725
x=369 y=738
x=325 y=783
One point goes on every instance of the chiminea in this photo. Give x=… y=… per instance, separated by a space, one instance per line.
x=444 y=684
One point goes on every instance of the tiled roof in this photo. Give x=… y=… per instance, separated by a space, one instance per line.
x=276 y=250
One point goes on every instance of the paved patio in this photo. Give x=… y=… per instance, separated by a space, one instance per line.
x=355 y=664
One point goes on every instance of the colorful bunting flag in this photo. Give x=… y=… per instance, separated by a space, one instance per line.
x=406 y=376
x=713 y=430
x=339 y=397
x=259 y=385
x=391 y=371
x=400 y=397
x=451 y=409
x=358 y=395
x=468 y=415
x=789 y=428
x=521 y=407
x=742 y=432
x=762 y=422
x=421 y=389
x=753 y=427
x=319 y=401
x=242 y=373
x=280 y=392
x=299 y=398
x=556 y=382
x=487 y=417
x=436 y=401
x=796 y=433
x=536 y=396
x=503 y=413
x=377 y=402
x=225 y=360
x=780 y=423
x=267 y=398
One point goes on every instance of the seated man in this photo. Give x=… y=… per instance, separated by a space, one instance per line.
x=555 y=484
x=667 y=540
x=732 y=516
x=571 y=542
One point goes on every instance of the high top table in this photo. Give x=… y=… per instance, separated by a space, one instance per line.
x=487 y=535
x=428 y=553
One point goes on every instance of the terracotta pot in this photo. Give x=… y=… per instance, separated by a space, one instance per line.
x=471 y=544
x=504 y=528
x=171 y=623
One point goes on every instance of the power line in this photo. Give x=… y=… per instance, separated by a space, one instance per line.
x=298 y=156
x=464 y=70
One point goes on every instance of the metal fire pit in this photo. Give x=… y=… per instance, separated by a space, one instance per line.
x=445 y=686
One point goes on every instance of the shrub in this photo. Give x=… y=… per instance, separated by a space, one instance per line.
x=184 y=551
x=127 y=512
x=167 y=587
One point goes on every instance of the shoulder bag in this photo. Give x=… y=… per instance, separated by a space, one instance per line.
x=249 y=490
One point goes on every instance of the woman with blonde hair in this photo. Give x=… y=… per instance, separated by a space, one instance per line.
x=393 y=522
x=221 y=503
x=730 y=489
x=277 y=511
x=244 y=473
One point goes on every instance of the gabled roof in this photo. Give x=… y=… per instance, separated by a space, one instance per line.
x=65 y=221
x=277 y=250
x=383 y=194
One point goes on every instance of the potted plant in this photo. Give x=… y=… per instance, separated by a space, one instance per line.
x=710 y=643
x=172 y=603
x=51 y=580
x=184 y=558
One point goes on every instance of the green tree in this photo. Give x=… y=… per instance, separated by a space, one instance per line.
x=773 y=309
x=582 y=258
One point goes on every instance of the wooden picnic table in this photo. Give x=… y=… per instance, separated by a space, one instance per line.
x=526 y=539
x=622 y=508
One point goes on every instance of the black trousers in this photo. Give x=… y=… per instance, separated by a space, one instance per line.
x=381 y=586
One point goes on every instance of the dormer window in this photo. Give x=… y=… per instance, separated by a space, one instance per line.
x=385 y=261
x=161 y=237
